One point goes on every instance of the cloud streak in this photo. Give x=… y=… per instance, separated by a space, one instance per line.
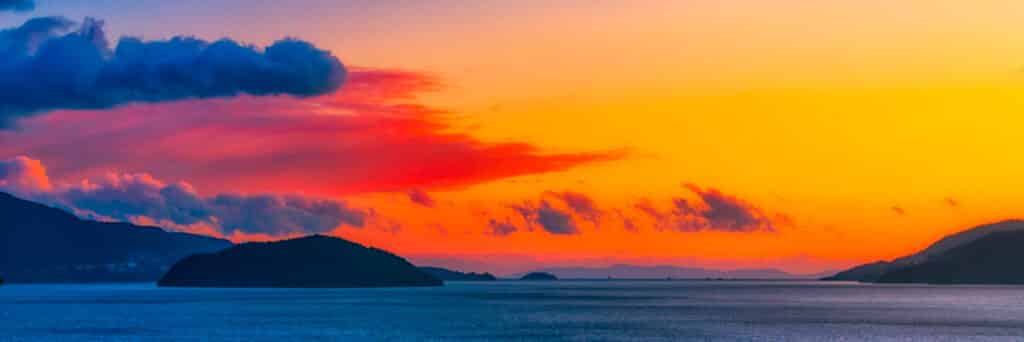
x=50 y=63
x=711 y=210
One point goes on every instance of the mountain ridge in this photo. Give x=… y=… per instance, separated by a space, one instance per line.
x=43 y=244
x=873 y=271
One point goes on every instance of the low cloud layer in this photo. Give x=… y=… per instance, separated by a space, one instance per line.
x=17 y=5
x=51 y=63
x=710 y=210
x=564 y=213
x=721 y=212
x=543 y=214
x=142 y=198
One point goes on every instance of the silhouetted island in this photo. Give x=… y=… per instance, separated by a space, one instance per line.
x=450 y=275
x=992 y=259
x=539 y=276
x=42 y=244
x=987 y=254
x=309 y=262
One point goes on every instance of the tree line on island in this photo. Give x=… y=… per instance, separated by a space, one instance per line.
x=43 y=244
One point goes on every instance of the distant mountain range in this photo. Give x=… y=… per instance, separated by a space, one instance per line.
x=44 y=244
x=307 y=262
x=985 y=254
x=664 y=272
x=450 y=275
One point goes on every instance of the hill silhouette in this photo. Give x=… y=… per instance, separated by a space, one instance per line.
x=450 y=275
x=956 y=258
x=308 y=262
x=39 y=243
x=539 y=276
x=992 y=259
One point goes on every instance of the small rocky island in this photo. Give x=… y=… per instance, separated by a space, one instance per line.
x=539 y=276
x=309 y=262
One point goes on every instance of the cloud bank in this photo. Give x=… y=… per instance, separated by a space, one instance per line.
x=51 y=63
x=17 y=5
x=142 y=198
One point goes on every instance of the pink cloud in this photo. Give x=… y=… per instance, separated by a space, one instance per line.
x=369 y=137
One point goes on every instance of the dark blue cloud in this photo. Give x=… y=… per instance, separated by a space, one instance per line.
x=17 y=5
x=555 y=221
x=47 y=64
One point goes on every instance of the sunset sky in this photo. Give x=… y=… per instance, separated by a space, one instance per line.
x=506 y=135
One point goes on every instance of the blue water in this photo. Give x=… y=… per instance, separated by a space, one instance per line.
x=511 y=310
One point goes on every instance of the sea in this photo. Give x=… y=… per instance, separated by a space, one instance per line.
x=600 y=310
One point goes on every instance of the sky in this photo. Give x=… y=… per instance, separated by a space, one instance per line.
x=503 y=136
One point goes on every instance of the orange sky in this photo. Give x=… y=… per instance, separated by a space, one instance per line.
x=831 y=113
x=873 y=127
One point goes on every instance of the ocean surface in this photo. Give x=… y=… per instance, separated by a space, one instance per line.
x=515 y=310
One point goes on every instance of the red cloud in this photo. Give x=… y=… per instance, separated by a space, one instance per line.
x=369 y=137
